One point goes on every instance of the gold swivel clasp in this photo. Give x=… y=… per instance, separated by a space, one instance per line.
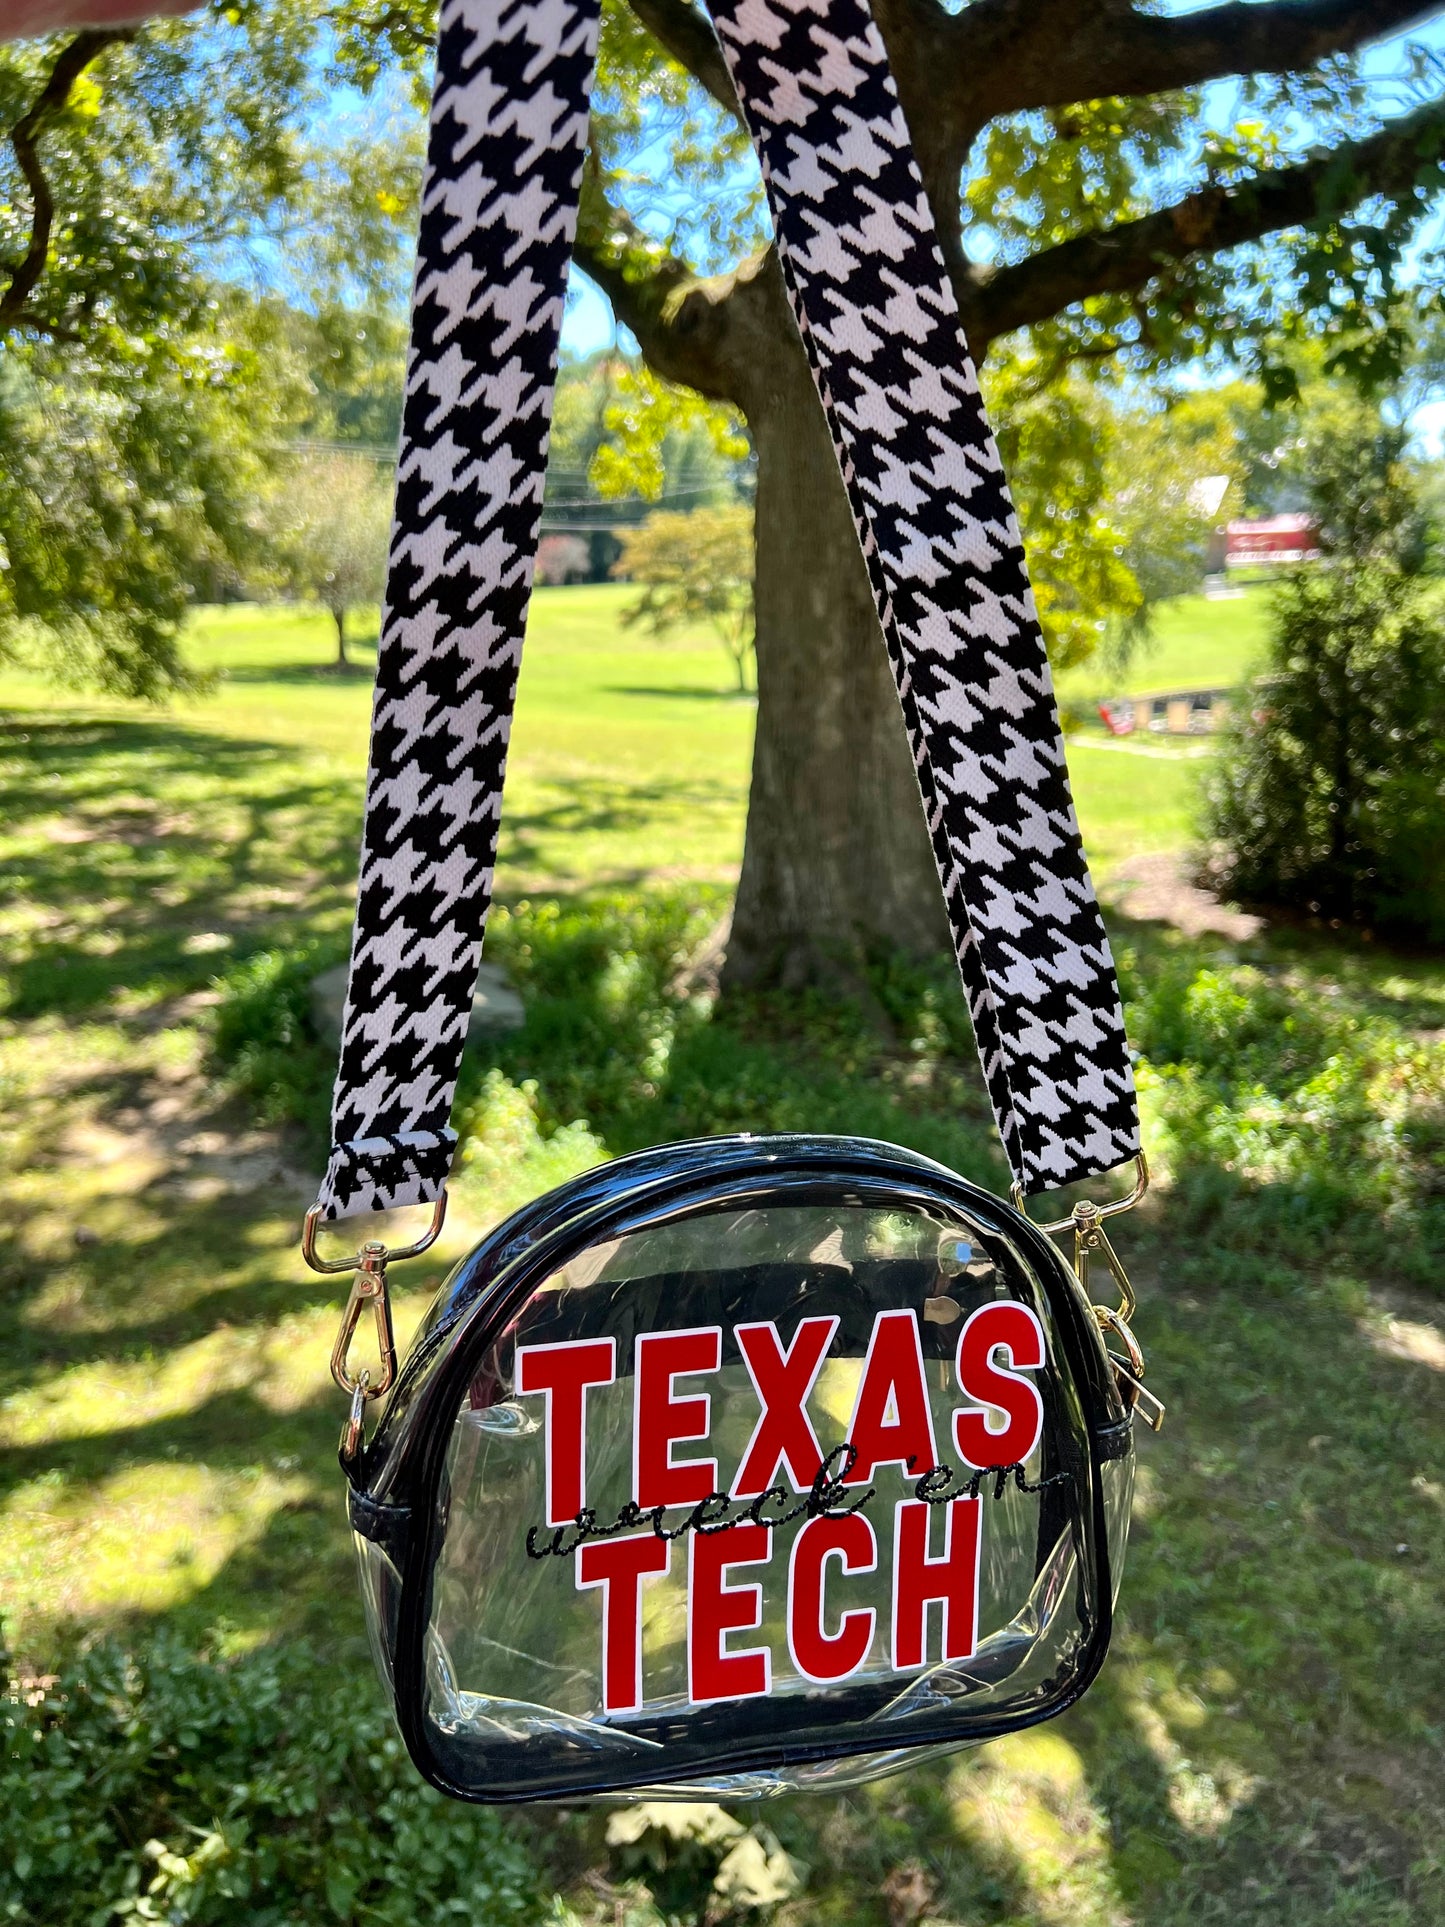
x=368 y=1288
x=1091 y=1243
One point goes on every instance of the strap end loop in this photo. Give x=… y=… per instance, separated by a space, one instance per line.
x=316 y=1217
x=1094 y=1212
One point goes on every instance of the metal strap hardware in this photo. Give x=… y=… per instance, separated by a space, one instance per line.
x=1086 y=1221
x=1090 y=1212
x=353 y=1428
x=368 y=1287
x=1137 y=1395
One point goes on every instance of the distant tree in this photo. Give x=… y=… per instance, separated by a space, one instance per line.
x=352 y=361
x=127 y=482
x=694 y=569
x=1118 y=492
x=144 y=391
x=1054 y=436
x=1102 y=200
x=1329 y=793
x=660 y=442
x=332 y=518
x=1173 y=473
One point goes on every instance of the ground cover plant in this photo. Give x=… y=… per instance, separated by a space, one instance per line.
x=193 y=1732
x=1329 y=794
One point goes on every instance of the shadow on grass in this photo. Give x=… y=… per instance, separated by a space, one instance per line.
x=1405 y=982
x=663 y=692
x=165 y=838
x=1262 y=1747
x=182 y=1269
x=590 y=805
x=361 y=670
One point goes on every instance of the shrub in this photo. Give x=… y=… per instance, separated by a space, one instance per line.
x=263 y=1033
x=161 y=1785
x=504 y=1152
x=1329 y=795
x=1303 y=1100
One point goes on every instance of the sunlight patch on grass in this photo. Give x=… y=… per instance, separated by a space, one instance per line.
x=280 y=1365
x=1202 y=1801
x=1024 y=1803
x=144 y=1540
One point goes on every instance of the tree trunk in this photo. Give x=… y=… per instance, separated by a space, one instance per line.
x=837 y=859
x=338 y=616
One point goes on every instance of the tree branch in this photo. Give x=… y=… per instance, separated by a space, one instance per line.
x=685 y=32
x=1402 y=159
x=955 y=73
x=1155 y=53
x=649 y=289
x=53 y=98
x=729 y=336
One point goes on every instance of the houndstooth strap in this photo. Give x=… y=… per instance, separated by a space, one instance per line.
x=499 y=214
x=879 y=320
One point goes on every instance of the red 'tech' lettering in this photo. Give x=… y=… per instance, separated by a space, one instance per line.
x=562 y=1373
x=618 y=1567
x=782 y=1381
x=817 y=1654
x=919 y=1580
x=1015 y=1331
x=714 y=1608
x=659 y=1418
x=891 y=1424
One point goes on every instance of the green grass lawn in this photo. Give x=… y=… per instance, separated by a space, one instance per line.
x=1266 y=1744
x=1194 y=643
x=629 y=757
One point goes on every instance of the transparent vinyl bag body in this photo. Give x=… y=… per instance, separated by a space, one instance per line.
x=742 y=1466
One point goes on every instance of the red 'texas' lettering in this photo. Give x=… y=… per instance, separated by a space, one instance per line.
x=782 y=1380
x=659 y=1418
x=891 y=1422
x=1014 y=1330
x=562 y=1373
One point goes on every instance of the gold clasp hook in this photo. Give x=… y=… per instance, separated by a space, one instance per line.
x=1086 y=1221
x=1091 y=1240
x=368 y=1287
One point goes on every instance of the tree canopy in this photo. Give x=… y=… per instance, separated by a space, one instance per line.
x=162 y=191
x=1085 y=183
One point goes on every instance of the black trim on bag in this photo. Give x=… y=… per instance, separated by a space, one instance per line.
x=387 y=1526
x=1114 y=1441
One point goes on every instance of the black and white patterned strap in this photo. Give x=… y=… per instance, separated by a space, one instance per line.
x=878 y=317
